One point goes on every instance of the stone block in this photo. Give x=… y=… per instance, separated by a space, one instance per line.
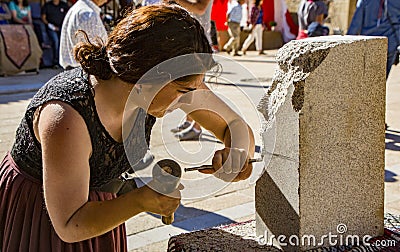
x=326 y=174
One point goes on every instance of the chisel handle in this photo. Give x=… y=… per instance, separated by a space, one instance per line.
x=167 y=220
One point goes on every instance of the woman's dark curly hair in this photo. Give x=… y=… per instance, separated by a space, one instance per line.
x=144 y=38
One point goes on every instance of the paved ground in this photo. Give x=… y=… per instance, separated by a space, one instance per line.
x=232 y=203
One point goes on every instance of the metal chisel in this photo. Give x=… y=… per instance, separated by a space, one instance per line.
x=197 y=168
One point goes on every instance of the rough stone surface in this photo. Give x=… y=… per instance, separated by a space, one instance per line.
x=235 y=237
x=242 y=237
x=327 y=104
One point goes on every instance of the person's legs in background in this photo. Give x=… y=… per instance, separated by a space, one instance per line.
x=236 y=38
x=189 y=130
x=258 y=34
x=390 y=61
x=214 y=37
x=41 y=33
x=55 y=38
x=186 y=124
x=228 y=46
x=38 y=25
x=248 y=41
x=391 y=58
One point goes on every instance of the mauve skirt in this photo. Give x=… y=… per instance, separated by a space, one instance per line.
x=25 y=224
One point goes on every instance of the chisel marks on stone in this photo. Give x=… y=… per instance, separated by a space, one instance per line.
x=296 y=60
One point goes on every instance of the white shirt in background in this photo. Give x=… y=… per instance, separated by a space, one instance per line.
x=83 y=15
x=205 y=20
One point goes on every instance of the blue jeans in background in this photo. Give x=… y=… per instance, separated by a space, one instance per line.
x=55 y=39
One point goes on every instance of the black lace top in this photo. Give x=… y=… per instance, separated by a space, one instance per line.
x=108 y=159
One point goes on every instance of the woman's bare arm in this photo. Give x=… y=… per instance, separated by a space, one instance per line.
x=216 y=116
x=66 y=150
x=15 y=18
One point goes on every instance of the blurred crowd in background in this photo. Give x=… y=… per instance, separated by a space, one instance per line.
x=46 y=19
x=255 y=17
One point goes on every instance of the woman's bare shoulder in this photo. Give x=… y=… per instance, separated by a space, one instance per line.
x=59 y=119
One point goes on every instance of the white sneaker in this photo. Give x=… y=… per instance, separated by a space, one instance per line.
x=181 y=127
x=192 y=134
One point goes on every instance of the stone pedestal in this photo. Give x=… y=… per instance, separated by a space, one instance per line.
x=326 y=175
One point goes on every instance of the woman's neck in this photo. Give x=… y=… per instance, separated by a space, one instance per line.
x=112 y=93
x=110 y=99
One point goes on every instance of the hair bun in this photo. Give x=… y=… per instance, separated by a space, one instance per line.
x=93 y=58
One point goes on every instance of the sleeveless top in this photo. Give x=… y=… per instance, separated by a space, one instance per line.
x=108 y=159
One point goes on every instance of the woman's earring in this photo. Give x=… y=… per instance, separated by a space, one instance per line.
x=138 y=88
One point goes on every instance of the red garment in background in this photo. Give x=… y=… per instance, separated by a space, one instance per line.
x=268 y=12
x=220 y=8
x=269 y=15
x=218 y=14
x=293 y=27
x=301 y=35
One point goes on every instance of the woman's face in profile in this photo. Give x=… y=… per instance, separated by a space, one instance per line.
x=173 y=95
